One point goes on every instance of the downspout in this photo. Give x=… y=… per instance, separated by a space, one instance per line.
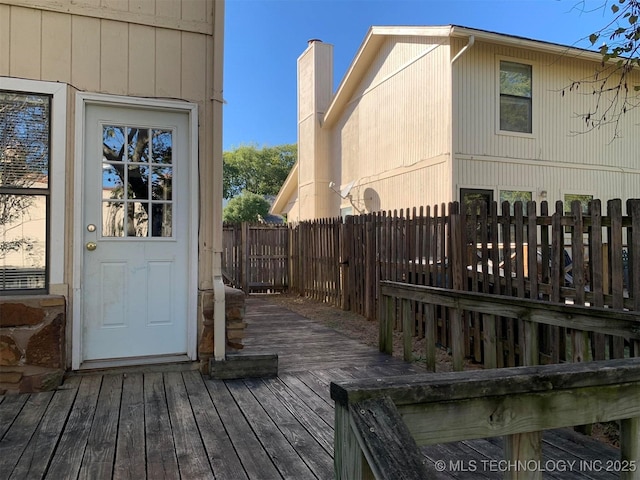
x=219 y=310
x=469 y=44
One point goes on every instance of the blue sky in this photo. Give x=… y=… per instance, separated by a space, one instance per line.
x=263 y=39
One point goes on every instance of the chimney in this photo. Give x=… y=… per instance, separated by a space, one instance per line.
x=315 y=172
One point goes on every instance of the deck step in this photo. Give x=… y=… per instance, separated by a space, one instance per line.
x=244 y=365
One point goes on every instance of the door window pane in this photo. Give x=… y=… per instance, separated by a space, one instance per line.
x=137 y=167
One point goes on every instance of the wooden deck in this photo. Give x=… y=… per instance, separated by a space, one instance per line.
x=174 y=424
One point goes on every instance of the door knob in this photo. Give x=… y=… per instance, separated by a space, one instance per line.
x=91 y=246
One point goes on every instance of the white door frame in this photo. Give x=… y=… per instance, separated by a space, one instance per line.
x=82 y=100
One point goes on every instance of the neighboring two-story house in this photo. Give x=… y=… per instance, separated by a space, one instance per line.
x=426 y=115
x=115 y=108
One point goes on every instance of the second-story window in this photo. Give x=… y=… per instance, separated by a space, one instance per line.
x=515 y=97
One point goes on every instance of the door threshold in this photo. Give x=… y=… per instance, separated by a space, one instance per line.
x=153 y=363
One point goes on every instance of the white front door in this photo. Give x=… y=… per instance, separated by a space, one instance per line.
x=135 y=230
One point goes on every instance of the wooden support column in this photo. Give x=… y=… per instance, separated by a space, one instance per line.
x=349 y=461
x=523 y=451
x=630 y=448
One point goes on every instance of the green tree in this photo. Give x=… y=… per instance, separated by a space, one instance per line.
x=257 y=170
x=614 y=84
x=247 y=207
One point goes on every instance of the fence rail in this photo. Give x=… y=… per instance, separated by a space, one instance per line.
x=497 y=327
x=588 y=258
x=380 y=423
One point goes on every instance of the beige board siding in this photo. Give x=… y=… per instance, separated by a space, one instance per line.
x=555 y=117
x=186 y=15
x=141 y=64
x=398 y=119
x=56 y=47
x=106 y=56
x=5 y=39
x=25 y=42
x=85 y=53
x=124 y=53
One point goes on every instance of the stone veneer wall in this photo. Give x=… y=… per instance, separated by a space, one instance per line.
x=32 y=343
x=234 y=316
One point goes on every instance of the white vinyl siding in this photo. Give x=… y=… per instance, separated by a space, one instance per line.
x=394 y=136
x=557 y=156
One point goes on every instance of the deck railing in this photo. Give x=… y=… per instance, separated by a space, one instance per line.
x=499 y=326
x=379 y=423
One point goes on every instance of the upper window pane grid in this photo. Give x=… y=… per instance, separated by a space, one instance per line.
x=137 y=181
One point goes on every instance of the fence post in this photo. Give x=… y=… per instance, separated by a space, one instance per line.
x=457 y=256
x=633 y=262
x=244 y=257
x=369 y=268
x=614 y=211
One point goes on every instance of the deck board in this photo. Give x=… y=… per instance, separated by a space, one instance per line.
x=131 y=439
x=177 y=424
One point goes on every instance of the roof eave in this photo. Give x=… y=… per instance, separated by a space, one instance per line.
x=289 y=186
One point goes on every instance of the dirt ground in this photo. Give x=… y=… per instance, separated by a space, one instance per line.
x=366 y=331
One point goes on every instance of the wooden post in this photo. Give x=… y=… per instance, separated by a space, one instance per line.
x=244 y=242
x=407 y=330
x=385 y=324
x=369 y=268
x=580 y=339
x=490 y=342
x=349 y=462
x=523 y=449
x=630 y=447
x=614 y=211
x=457 y=339
x=430 y=334
x=596 y=272
x=530 y=344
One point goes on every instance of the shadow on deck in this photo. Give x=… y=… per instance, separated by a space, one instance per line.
x=175 y=424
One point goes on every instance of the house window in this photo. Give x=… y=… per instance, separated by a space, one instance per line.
x=25 y=125
x=584 y=200
x=470 y=197
x=515 y=97
x=513 y=196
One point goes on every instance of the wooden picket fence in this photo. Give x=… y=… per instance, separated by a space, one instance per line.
x=563 y=256
x=255 y=257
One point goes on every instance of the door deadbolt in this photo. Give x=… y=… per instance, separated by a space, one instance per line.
x=91 y=227
x=91 y=246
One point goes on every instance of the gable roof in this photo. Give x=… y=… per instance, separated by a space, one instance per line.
x=368 y=50
x=378 y=34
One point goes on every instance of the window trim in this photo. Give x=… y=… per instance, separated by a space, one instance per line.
x=57 y=178
x=534 y=97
